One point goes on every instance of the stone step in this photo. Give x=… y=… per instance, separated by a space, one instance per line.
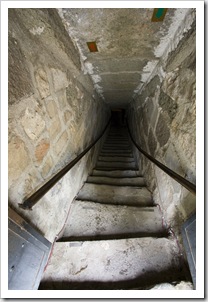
x=101 y=221
x=114 y=146
x=125 y=181
x=128 y=154
x=116 y=158
x=108 y=194
x=117 y=173
x=127 y=148
x=112 y=264
x=117 y=143
x=115 y=165
x=117 y=152
x=118 y=134
x=120 y=140
x=113 y=168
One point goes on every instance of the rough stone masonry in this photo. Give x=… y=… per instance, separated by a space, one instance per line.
x=165 y=113
x=52 y=110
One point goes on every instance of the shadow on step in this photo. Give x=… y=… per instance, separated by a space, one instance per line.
x=146 y=281
x=113 y=237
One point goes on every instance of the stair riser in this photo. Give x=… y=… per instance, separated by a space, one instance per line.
x=115 y=195
x=107 y=154
x=116 y=173
x=116 y=148
x=117 y=143
x=116 y=158
x=126 y=152
x=120 y=165
x=136 y=181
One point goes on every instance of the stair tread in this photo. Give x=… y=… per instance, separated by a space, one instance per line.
x=125 y=181
x=116 y=164
x=116 y=151
x=116 y=194
x=116 y=158
x=122 y=148
x=117 y=173
x=103 y=219
x=112 y=263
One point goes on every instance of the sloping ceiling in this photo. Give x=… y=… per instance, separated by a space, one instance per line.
x=129 y=46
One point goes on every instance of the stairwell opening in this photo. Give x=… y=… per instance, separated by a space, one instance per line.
x=118 y=116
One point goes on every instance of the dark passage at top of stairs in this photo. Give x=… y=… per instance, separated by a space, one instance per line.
x=114 y=237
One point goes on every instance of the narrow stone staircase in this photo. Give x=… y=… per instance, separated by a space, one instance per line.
x=114 y=237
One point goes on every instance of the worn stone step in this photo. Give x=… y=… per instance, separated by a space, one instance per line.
x=114 y=146
x=127 y=148
x=117 y=144
x=110 y=222
x=118 y=134
x=113 y=168
x=116 y=194
x=112 y=264
x=117 y=173
x=116 y=158
x=117 y=140
x=125 y=181
x=115 y=164
x=114 y=154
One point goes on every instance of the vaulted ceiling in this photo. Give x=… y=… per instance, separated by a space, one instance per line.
x=129 y=45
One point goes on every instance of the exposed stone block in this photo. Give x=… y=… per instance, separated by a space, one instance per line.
x=19 y=84
x=29 y=185
x=172 y=160
x=59 y=79
x=47 y=167
x=61 y=143
x=42 y=83
x=51 y=108
x=67 y=116
x=145 y=124
x=151 y=87
x=186 y=47
x=55 y=128
x=162 y=131
x=62 y=99
x=18 y=158
x=168 y=104
x=42 y=149
x=71 y=95
x=180 y=85
x=32 y=123
x=149 y=107
x=152 y=143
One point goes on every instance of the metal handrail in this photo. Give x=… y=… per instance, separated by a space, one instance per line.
x=184 y=182
x=35 y=197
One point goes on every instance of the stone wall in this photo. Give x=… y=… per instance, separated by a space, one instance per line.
x=163 y=119
x=54 y=114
